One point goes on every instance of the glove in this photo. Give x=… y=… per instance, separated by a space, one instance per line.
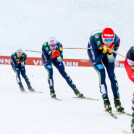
x=60 y=59
x=21 y=59
x=22 y=64
x=110 y=58
x=104 y=49
x=55 y=53
x=18 y=61
x=132 y=67
x=111 y=47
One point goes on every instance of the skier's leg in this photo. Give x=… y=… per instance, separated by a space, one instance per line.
x=132 y=124
x=61 y=68
x=49 y=69
x=17 y=71
x=23 y=73
x=114 y=85
x=102 y=84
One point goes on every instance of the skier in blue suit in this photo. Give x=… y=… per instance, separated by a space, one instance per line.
x=18 y=61
x=102 y=58
x=52 y=53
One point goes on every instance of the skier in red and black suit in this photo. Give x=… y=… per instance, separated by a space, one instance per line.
x=102 y=58
x=129 y=66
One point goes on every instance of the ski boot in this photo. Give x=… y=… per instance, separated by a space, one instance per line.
x=52 y=92
x=118 y=106
x=107 y=104
x=132 y=125
x=30 y=88
x=21 y=87
x=77 y=93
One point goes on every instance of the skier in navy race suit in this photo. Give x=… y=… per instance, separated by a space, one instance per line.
x=52 y=53
x=102 y=58
x=18 y=61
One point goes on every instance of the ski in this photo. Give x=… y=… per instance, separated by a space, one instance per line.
x=112 y=115
x=125 y=132
x=31 y=92
x=87 y=98
x=123 y=113
x=57 y=99
x=38 y=92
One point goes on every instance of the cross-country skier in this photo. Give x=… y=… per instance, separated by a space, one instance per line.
x=101 y=59
x=52 y=53
x=129 y=66
x=18 y=61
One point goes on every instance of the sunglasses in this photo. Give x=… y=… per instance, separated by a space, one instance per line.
x=52 y=45
x=107 y=40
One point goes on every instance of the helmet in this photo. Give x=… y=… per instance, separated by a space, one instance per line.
x=108 y=33
x=19 y=50
x=52 y=40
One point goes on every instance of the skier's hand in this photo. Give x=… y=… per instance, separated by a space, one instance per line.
x=104 y=49
x=18 y=62
x=60 y=59
x=55 y=53
x=22 y=64
x=132 y=67
x=21 y=59
x=111 y=47
x=109 y=51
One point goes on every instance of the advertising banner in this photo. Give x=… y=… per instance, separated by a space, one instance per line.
x=67 y=62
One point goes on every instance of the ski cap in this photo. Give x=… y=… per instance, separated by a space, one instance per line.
x=19 y=50
x=108 y=33
x=52 y=40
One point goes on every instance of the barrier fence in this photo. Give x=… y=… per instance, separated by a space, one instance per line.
x=67 y=62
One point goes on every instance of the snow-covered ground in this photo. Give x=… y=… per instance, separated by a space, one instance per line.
x=28 y=24
x=32 y=113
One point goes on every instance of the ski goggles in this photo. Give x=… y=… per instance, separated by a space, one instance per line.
x=53 y=45
x=19 y=52
x=107 y=40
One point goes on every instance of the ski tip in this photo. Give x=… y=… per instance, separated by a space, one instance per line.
x=123 y=113
x=38 y=91
x=125 y=132
x=31 y=91
x=87 y=98
x=57 y=99
x=112 y=115
x=92 y=99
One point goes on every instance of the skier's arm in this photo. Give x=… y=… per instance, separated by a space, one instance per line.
x=24 y=59
x=13 y=61
x=117 y=44
x=61 y=50
x=96 y=58
x=110 y=55
x=45 y=57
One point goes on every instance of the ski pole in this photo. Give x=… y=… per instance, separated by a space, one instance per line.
x=63 y=48
x=107 y=48
x=116 y=52
x=76 y=48
x=33 y=51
